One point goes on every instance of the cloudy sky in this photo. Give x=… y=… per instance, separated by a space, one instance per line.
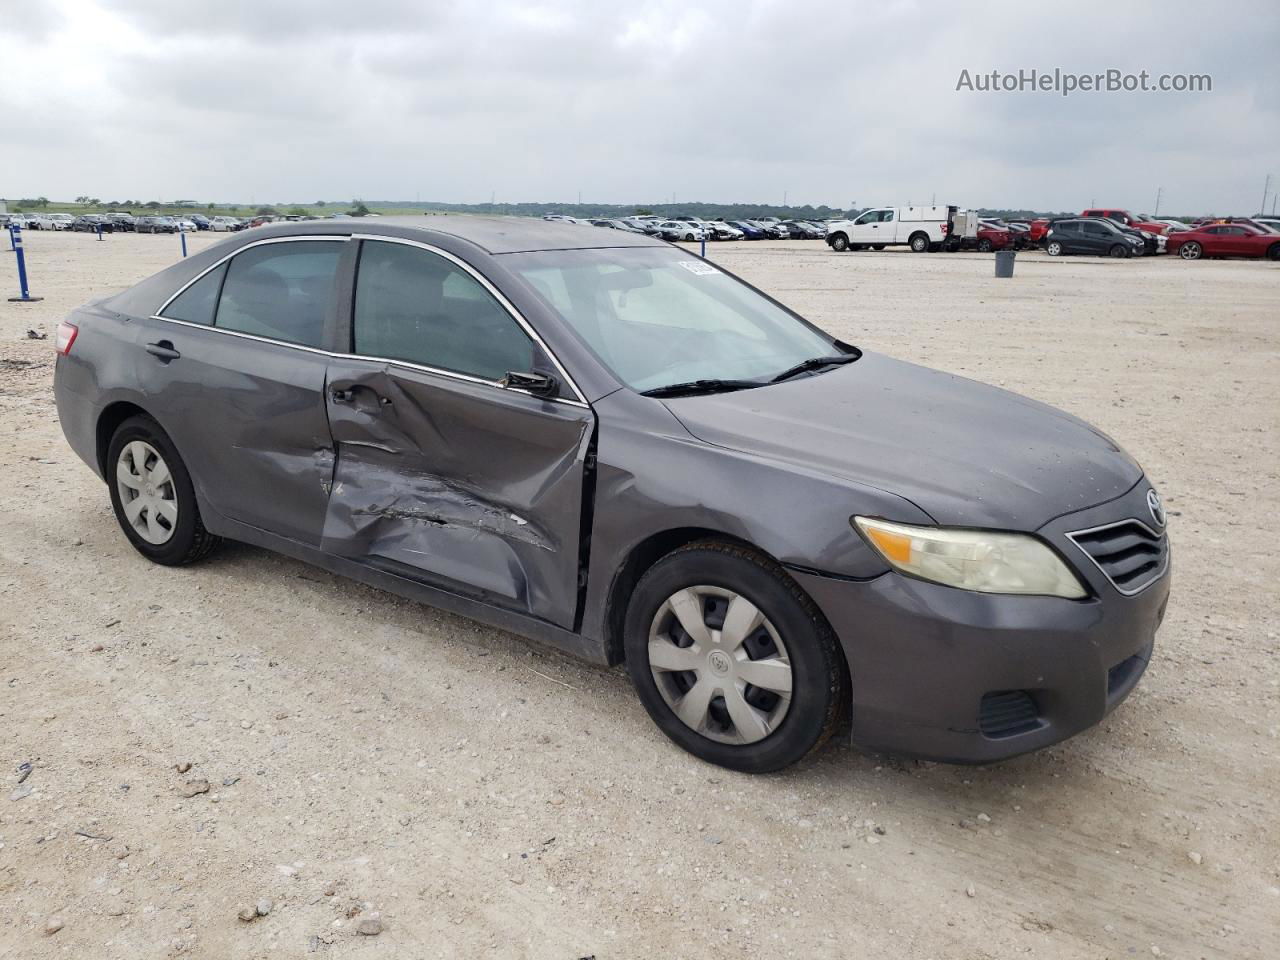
x=740 y=100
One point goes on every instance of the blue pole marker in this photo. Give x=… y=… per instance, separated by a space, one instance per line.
x=182 y=232
x=12 y=245
x=15 y=234
x=704 y=242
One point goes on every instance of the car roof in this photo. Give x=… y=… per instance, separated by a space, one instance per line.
x=492 y=234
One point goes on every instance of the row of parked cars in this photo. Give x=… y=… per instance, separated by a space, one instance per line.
x=1098 y=231
x=1118 y=233
x=118 y=222
x=692 y=229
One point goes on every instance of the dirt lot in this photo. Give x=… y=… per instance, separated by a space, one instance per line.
x=369 y=756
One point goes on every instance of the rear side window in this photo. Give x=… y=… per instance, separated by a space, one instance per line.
x=281 y=291
x=414 y=305
x=197 y=303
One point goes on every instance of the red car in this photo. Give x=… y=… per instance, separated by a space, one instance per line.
x=1224 y=240
x=1129 y=220
x=993 y=237
x=1039 y=227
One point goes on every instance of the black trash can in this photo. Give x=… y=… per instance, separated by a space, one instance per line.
x=1004 y=262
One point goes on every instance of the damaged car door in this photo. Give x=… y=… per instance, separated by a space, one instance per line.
x=235 y=361
x=449 y=468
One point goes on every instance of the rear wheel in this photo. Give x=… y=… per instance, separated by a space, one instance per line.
x=839 y=242
x=919 y=242
x=984 y=246
x=731 y=659
x=152 y=495
x=1053 y=248
x=1191 y=251
x=1118 y=251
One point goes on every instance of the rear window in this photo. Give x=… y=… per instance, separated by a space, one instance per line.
x=281 y=291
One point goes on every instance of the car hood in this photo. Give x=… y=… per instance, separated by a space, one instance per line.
x=966 y=453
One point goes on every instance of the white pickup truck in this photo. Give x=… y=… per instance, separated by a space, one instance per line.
x=920 y=228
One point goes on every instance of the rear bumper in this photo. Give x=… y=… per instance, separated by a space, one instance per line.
x=922 y=658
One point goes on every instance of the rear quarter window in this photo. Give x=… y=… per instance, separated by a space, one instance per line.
x=197 y=303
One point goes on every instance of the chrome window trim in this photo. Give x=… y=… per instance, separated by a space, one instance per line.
x=515 y=314
x=1158 y=535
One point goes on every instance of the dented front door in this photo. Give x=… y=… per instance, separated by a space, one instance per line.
x=466 y=485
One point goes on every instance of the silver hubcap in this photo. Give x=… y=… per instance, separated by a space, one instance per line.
x=1190 y=251
x=147 y=496
x=720 y=664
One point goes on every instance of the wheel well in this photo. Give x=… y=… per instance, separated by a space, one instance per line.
x=108 y=422
x=919 y=233
x=643 y=556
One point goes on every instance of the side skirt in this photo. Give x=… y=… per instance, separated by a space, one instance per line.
x=539 y=631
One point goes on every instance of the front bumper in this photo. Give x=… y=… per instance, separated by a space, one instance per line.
x=964 y=677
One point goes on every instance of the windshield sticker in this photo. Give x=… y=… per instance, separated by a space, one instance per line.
x=698 y=267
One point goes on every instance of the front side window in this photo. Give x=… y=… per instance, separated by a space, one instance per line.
x=655 y=317
x=281 y=291
x=417 y=306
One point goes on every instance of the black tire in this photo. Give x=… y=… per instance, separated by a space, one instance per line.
x=819 y=679
x=1191 y=251
x=984 y=245
x=919 y=243
x=877 y=246
x=838 y=242
x=1054 y=248
x=1273 y=252
x=1118 y=251
x=190 y=541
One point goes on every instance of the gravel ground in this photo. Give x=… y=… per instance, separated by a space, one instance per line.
x=372 y=764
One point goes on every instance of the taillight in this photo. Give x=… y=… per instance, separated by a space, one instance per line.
x=65 y=337
x=945 y=228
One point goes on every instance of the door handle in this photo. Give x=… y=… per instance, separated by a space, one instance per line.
x=342 y=396
x=164 y=350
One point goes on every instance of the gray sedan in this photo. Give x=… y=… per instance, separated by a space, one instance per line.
x=613 y=447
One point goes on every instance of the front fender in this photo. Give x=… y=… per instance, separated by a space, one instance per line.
x=653 y=477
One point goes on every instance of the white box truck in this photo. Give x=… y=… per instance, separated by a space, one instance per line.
x=920 y=228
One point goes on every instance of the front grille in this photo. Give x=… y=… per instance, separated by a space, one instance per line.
x=1008 y=713
x=1129 y=553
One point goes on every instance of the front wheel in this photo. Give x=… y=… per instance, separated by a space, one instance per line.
x=1273 y=252
x=1118 y=251
x=152 y=495
x=1191 y=251
x=1053 y=248
x=984 y=246
x=919 y=243
x=839 y=243
x=732 y=660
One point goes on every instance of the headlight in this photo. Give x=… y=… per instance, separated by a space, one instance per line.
x=981 y=560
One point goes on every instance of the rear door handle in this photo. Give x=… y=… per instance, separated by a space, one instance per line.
x=339 y=395
x=164 y=350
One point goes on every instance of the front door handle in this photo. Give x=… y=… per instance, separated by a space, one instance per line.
x=164 y=350
x=342 y=396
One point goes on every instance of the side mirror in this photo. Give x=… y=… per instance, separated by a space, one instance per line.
x=538 y=384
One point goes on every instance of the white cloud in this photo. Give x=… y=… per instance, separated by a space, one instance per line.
x=721 y=100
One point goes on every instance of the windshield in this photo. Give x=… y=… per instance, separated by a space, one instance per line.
x=656 y=317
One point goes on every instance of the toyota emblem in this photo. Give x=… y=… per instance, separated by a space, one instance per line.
x=1156 y=507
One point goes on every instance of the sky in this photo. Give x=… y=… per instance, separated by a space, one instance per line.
x=841 y=103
